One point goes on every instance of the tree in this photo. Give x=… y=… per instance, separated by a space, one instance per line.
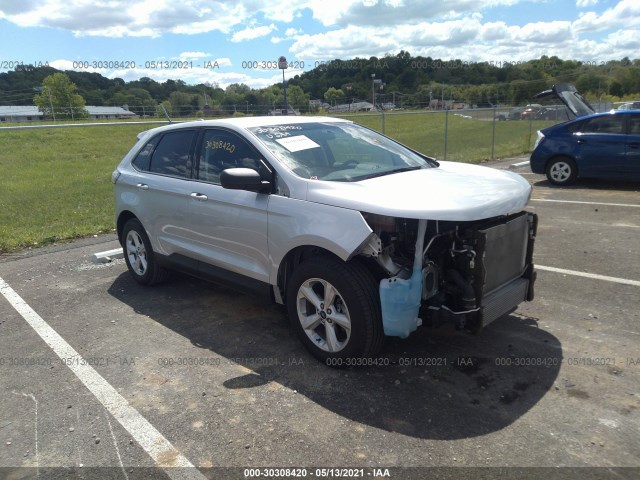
x=58 y=98
x=333 y=95
x=137 y=100
x=183 y=103
x=296 y=98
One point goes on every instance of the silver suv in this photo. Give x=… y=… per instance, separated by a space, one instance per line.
x=359 y=236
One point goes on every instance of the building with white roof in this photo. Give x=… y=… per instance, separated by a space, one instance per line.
x=29 y=113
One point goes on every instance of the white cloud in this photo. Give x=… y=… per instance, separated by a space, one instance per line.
x=290 y=34
x=136 y=18
x=543 y=32
x=193 y=55
x=63 y=64
x=223 y=62
x=389 y=12
x=586 y=3
x=467 y=38
x=627 y=39
x=624 y=14
x=251 y=33
x=152 y=18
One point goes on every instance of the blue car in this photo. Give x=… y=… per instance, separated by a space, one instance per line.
x=592 y=145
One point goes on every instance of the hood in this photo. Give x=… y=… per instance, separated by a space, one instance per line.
x=454 y=191
x=568 y=94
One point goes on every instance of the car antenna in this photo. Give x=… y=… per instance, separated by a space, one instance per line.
x=165 y=113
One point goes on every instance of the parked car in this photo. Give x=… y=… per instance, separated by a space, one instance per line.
x=553 y=112
x=359 y=236
x=602 y=145
x=630 y=106
x=511 y=114
x=530 y=112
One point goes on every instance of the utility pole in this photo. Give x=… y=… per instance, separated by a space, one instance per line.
x=373 y=90
x=282 y=64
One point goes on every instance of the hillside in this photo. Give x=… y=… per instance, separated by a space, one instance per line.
x=410 y=82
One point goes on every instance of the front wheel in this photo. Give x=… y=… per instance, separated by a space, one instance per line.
x=335 y=309
x=562 y=171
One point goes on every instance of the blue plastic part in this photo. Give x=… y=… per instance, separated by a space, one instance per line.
x=400 y=301
x=400 y=297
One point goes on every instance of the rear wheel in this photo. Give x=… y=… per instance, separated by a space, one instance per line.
x=335 y=309
x=139 y=255
x=562 y=171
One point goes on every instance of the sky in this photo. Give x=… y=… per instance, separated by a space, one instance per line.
x=222 y=42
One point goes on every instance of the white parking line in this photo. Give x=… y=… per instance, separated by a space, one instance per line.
x=594 y=276
x=151 y=440
x=586 y=203
x=519 y=164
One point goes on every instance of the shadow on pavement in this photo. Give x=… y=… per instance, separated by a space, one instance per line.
x=437 y=385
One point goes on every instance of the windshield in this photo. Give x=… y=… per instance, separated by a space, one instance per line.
x=341 y=152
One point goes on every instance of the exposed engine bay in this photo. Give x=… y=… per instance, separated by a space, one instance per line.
x=470 y=273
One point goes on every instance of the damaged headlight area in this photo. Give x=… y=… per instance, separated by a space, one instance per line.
x=469 y=273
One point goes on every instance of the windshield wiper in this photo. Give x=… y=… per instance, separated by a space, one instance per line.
x=388 y=172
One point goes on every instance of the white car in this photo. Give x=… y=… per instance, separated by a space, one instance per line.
x=359 y=236
x=630 y=106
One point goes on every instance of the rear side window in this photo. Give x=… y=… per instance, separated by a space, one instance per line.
x=143 y=159
x=172 y=154
x=608 y=124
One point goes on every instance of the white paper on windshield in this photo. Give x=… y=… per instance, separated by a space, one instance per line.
x=297 y=143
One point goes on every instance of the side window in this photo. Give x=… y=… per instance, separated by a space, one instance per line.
x=634 y=124
x=171 y=156
x=142 y=160
x=607 y=124
x=576 y=127
x=221 y=150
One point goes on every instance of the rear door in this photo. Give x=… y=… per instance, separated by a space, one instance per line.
x=166 y=166
x=602 y=147
x=633 y=145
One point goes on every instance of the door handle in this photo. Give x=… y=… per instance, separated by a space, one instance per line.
x=581 y=141
x=634 y=145
x=199 y=196
x=142 y=186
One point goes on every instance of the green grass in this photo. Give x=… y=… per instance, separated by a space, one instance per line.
x=55 y=184
x=468 y=139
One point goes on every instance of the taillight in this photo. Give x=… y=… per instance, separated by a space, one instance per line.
x=539 y=140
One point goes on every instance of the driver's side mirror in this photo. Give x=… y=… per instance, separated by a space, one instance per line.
x=244 y=179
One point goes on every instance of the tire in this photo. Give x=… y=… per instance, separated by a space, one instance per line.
x=349 y=326
x=562 y=171
x=139 y=255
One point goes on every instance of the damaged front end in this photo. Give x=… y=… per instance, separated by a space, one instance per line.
x=469 y=273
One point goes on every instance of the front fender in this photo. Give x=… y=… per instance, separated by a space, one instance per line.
x=293 y=223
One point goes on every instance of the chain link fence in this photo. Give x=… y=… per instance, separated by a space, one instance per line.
x=472 y=135
x=463 y=135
